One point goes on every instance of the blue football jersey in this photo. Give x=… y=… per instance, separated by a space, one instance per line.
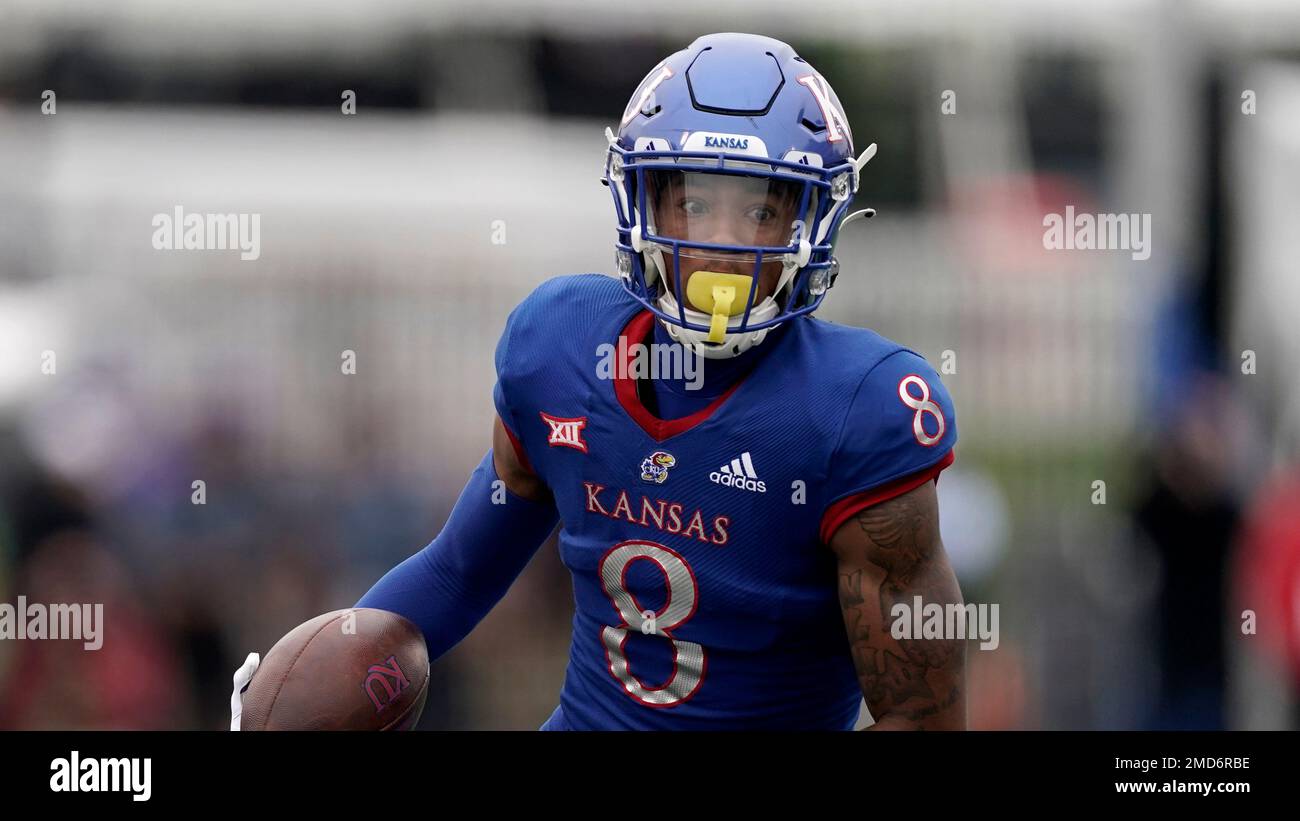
x=705 y=595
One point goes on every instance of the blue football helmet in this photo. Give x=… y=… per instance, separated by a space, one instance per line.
x=733 y=160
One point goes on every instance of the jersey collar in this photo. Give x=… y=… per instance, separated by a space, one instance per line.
x=638 y=330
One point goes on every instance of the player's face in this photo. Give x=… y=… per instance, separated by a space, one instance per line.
x=726 y=209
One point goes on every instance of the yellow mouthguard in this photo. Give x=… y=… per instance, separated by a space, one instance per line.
x=718 y=293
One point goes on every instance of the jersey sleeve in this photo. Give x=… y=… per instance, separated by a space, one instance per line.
x=898 y=434
x=504 y=391
x=528 y=356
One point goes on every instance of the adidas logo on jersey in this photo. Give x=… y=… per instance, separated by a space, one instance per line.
x=739 y=474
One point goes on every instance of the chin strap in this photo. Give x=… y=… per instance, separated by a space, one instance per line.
x=864 y=158
x=865 y=213
x=732 y=342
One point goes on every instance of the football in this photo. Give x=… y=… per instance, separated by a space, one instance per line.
x=355 y=669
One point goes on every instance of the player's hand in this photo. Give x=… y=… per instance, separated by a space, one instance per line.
x=242 y=676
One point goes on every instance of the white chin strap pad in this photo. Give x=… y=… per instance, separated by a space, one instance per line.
x=732 y=344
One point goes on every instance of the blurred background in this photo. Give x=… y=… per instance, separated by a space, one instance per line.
x=405 y=232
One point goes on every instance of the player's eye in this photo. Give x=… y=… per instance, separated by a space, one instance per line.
x=692 y=207
x=761 y=213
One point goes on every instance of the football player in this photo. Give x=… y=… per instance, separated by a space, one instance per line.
x=739 y=544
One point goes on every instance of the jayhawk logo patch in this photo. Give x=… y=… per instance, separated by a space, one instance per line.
x=654 y=468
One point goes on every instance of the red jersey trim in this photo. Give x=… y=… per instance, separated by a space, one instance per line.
x=519 y=448
x=840 y=512
x=625 y=389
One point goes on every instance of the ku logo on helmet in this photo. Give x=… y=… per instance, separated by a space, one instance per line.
x=641 y=102
x=837 y=125
x=654 y=468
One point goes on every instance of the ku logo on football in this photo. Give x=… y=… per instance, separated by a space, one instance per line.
x=389 y=678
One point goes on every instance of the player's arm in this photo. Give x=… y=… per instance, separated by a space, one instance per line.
x=513 y=470
x=888 y=554
x=450 y=585
x=493 y=531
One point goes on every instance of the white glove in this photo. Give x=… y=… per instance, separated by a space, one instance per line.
x=242 y=676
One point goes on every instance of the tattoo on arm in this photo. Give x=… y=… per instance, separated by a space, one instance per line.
x=889 y=555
